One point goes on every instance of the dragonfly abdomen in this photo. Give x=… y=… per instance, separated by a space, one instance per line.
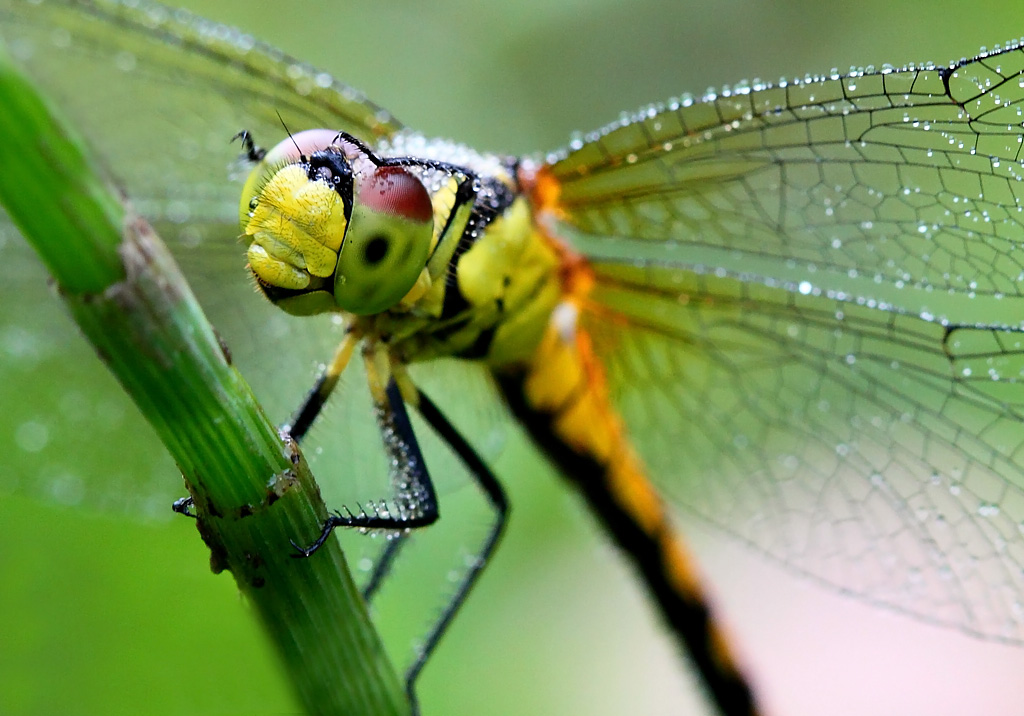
x=561 y=398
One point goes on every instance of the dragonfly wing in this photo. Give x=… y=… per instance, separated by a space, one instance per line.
x=808 y=303
x=870 y=449
x=900 y=187
x=157 y=94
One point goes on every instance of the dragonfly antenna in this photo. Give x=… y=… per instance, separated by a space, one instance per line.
x=302 y=157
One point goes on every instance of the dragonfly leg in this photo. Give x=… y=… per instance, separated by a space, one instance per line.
x=303 y=418
x=183 y=506
x=495 y=493
x=415 y=502
x=253 y=153
x=415 y=499
x=382 y=566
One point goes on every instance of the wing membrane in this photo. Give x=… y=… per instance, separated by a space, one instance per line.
x=830 y=435
x=862 y=184
x=808 y=302
x=158 y=95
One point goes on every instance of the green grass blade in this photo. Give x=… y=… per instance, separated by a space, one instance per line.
x=253 y=491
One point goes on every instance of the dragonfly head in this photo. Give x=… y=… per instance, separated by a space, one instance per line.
x=331 y=226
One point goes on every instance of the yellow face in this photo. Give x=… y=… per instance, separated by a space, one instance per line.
x=332 y=227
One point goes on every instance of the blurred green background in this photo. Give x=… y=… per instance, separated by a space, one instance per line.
x=108 y=615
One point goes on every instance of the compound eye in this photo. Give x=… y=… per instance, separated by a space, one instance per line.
x=387 y=241
x=301 y=144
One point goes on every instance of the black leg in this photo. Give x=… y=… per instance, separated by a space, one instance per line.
x=253 y=153
x=303 y=418
x=418 y=503
x=183 y=506
x=495 y=494
x=414 y=502
x=382 y=565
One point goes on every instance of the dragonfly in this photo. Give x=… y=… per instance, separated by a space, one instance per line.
x=864 y=274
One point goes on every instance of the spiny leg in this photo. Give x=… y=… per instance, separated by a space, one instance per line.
x=402 y=441
x=415 y=502
x=495 y=493
x=253 y=154
x=483 y=478
x=382 y=565
x=304 y=417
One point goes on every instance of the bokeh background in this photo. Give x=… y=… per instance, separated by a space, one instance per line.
x=106 y=614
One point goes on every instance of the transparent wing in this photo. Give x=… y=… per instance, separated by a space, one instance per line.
x=158 y=95
x=808 y=303
x=874 y=450
x=862 y=184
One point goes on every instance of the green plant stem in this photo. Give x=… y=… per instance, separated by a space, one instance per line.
x=253 y=491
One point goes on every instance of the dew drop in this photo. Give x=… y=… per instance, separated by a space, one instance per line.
x=32 y=436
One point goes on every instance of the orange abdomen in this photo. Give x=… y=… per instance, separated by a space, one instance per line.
x=561 y=398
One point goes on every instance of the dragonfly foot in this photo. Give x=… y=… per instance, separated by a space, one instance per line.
x=183 y=506
x=335 y=520
x=253 y=153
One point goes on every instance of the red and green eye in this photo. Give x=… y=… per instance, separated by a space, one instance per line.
x=387 y=241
